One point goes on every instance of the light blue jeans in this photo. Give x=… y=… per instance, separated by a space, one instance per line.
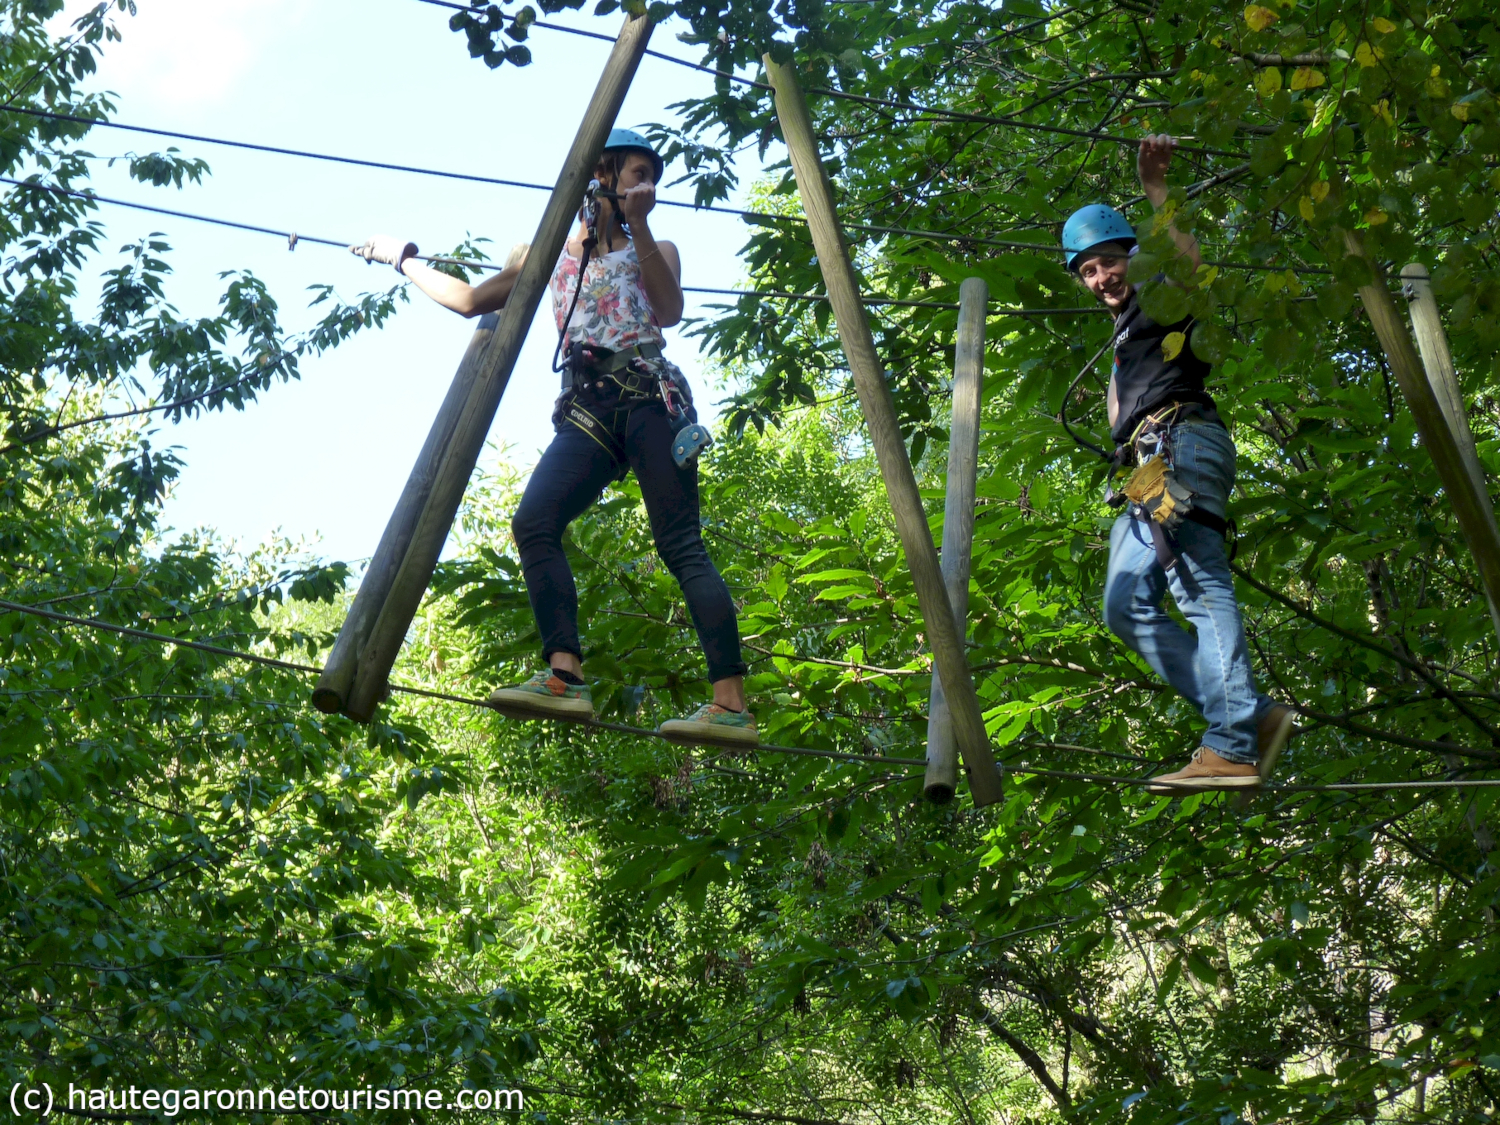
x=1210 y=666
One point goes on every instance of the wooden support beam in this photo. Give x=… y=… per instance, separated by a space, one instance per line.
x=958 y=520
x=332 y=690
x=1471 y=505
x=885 y=434
x=496 y=360
x=1442 y=377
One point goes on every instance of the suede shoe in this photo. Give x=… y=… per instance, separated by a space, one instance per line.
x=713 y=725
x=1273 y=731
x=1206 y=771
x=545 y=696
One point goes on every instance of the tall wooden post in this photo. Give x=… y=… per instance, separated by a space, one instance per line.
x=958 y=519
x=332 y=691
x=1471 y=505
x=495 y=361
x=1442 y=377
x=885 y=435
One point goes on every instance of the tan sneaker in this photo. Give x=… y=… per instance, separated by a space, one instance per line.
x=1273 y=731
x=545 y=696
x=1207 y=771
x=713 y=725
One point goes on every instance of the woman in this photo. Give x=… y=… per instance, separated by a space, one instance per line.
x=621 y=408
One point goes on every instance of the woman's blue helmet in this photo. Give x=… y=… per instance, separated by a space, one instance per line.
x=1088 y=226
x=628 y=140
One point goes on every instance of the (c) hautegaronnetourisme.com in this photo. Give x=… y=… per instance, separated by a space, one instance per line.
x=171 y=1100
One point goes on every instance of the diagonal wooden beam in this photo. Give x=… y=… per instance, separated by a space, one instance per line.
x=885 y=434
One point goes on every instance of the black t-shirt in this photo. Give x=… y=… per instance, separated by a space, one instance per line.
x=1144 y=379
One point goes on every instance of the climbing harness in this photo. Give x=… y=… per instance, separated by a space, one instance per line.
x=1156 y=496
x=640 y=373
x=1153 y=492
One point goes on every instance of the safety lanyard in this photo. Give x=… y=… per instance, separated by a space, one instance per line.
x=590 y=240
x=1062 y=414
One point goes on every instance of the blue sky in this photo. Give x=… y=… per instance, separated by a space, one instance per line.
x=324 y=459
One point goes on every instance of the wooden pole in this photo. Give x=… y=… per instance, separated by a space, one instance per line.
x=332 y=691
x=885 y=435
x=958 y=520
x=496 y=361
x=1437 y=359
x=1442 y=377
x=1470 y=505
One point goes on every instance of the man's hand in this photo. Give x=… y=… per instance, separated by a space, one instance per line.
x=386 y=250
x=1151 y=163
x=637 y=203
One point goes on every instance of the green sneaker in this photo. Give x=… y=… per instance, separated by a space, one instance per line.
x=714 y=726
x=545 y=696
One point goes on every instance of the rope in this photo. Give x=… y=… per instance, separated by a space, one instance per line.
x=290 y=666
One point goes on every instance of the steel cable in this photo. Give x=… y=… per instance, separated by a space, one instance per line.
x=646 y=732
x=738 y=212
x=293 y=239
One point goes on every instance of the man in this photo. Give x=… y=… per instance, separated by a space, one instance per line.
x=1159 y=410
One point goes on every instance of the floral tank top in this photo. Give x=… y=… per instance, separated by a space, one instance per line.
x=613 y=309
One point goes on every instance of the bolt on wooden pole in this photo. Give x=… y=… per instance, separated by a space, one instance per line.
x=958 y=520
x=1442 y=377
x=885 y=434
x=495 y=361
x=1471 y=505
x=332 y=690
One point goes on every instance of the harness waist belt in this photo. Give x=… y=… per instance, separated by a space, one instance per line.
x=602 y=361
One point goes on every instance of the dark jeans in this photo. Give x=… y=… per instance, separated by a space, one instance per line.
x=571 y=475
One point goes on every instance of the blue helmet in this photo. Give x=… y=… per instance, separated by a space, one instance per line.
x=1088 y=226
x=628 y=140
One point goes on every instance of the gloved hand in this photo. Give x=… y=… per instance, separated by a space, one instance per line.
x=383 y=248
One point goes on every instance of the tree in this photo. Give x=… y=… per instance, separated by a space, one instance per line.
x=188 y=851
x=1320 y=955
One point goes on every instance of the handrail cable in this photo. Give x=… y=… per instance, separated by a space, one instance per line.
x=293 y=239
x=621 y=728
x=763 y=216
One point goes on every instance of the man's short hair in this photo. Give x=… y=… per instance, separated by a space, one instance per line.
x=1103 y=250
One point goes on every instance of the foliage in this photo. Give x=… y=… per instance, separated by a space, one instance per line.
x=205 y=883
x=1314 y=957
x=191 y=862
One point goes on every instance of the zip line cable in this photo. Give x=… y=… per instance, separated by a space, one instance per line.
x=802 y=751
x=291 y=666
x=293 y=238
x=761 y=216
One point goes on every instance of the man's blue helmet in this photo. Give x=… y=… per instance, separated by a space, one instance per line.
x=1088 y=226
x=628 y=140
